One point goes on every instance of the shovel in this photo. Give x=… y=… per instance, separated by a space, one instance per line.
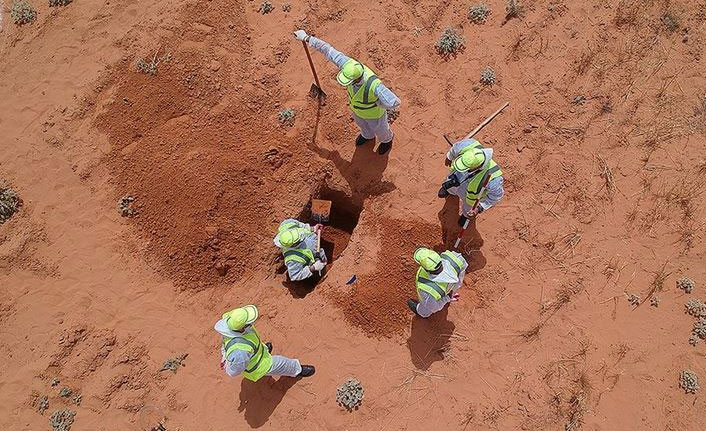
x=475 y=206
x=320 y=213
x=315 y=91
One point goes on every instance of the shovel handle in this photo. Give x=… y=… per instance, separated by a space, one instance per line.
x=318 y=244
x=311 y=64
x=475 y=205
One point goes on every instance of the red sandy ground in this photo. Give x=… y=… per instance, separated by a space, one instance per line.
x=543 y=337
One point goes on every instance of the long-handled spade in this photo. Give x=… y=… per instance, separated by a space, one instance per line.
x=315 y=91
x=481 y=125
x=320 y=214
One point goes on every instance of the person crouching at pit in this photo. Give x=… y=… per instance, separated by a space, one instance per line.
x=298 y=243
x=438 y=278
x=243 y=352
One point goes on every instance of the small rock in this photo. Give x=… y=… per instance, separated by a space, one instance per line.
x=215 y=65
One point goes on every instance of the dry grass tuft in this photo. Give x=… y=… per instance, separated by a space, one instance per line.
x=585 y=61
x=532 y=333
x=658 y=281
x=578 y=403
x=607 y=174
x=699 y=119
x=683 y=193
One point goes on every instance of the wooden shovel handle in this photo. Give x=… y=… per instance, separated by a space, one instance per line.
x=311 y=64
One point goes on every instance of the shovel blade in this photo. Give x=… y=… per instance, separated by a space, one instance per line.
x=315 y=92
x=320 y=210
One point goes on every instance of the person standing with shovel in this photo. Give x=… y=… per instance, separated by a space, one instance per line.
x=368 y=97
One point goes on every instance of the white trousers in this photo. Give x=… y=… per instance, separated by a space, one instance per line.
x=283 y=366
x=376 y=128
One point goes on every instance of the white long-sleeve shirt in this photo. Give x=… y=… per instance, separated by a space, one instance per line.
x=386 y=98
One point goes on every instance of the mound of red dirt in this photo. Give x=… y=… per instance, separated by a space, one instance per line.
x=208 y=185
x=376 y=303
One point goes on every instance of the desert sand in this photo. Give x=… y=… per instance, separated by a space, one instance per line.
x=604 y=158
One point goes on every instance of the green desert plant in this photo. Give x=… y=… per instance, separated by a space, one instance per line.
x=513 y=10
x=450 y=42
x=670 y=21
x=266 y=7
x=61 y=420
x=487 y=76
x=22 y=12
x=9 y=203
x=478 y=14
x=287 y=116
x=53 y=3
x=689 y=381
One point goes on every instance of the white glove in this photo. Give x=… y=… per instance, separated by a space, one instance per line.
x=318 y=265
x=300 y=34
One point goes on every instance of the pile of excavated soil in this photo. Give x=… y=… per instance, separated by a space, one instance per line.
x=210 y=184
x=376 y=303
x=334 y=241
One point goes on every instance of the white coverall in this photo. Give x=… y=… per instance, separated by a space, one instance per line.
x=299 y=271
x=427 y=304
x=238 y=360
x=494 y=190
x=369 y=129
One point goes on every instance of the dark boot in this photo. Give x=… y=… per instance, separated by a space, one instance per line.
x=412 y=304
x=360 y=140
x=384 y=147
x=443 y=192
x=307 y=370
x=269 y=347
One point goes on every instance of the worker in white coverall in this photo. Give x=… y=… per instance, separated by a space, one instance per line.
x=470 y=163
x=243 y=352
x=298 y=243
x=368 y=97
x=438 y=278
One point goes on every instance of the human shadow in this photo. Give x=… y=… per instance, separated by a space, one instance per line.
x=260 y=399
x=472 y=241
x=429 y=338
x=363 y=172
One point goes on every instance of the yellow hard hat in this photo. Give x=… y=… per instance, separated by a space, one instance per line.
x=469 y=160
x=350 y=71
x=428 y=259
x=292 y=237
x=237 y=319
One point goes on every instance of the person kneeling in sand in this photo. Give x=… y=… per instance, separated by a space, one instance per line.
x=243 y=352
x=298 y=243
x=438 y=278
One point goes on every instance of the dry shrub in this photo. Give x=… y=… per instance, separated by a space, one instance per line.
x=607 y=174
x=478 y=14
x=487 y=76
x=22 y=12
x=513 y=9
x=699 y=120
x=450 y=43
x=670 y=22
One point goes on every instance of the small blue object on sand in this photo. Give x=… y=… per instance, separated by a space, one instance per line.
x=352 y=280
